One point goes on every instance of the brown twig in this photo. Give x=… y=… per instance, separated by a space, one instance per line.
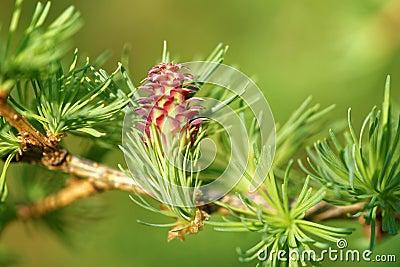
x=325 y=211
x=31 y=135
x=99 y=173
x=97 y=178
x=77 y=189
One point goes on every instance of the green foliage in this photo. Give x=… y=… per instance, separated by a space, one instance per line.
x=9 y=147
x=282 y=224
x=366 y=168
x=301 y=129
x=39 y=47
x=159 y=175
x=9 y=143
x=3 y=186
x=75 y=102
x=82 y=100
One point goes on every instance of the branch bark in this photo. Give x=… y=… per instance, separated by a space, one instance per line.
x=325 y=211
x=29 y=134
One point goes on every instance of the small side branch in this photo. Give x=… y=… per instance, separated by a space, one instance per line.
x=325 y=211
x=29 y=134
x=76 y=190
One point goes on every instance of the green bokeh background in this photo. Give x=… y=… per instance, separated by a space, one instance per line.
x=339 y=51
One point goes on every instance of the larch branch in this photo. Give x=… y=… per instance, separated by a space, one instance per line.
x=44 y=150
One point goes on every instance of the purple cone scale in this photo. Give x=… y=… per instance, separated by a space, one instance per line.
x=168 y=104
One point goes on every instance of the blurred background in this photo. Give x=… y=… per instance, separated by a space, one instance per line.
x=338 y=51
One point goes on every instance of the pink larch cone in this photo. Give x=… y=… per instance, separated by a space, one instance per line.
x=169 y=98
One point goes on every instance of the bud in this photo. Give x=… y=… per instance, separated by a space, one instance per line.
x=170 y=95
